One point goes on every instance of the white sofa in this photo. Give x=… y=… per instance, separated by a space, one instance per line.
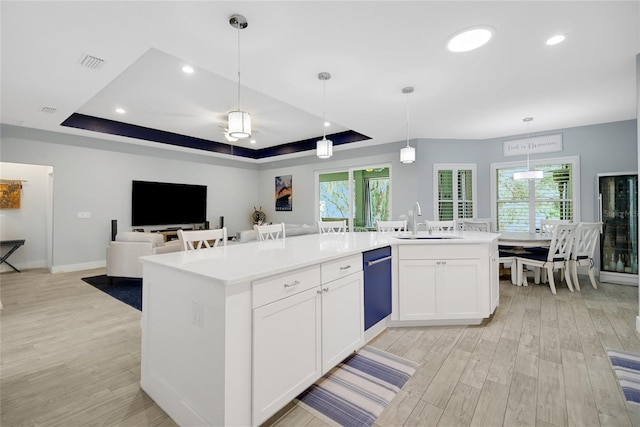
x=123 y=254
x=289 y=229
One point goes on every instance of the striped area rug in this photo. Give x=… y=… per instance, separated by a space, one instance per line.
x=626 y=366
x=355 y=392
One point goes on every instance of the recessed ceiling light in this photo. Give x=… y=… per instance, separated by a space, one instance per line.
x=253 y=141
x=187 y=69
x=470 y=38
x=558 y=38
x=327 y=124
x=120 y=110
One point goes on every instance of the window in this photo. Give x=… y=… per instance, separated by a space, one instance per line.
x=520 y=205
x=455 y=191
x=361 y=196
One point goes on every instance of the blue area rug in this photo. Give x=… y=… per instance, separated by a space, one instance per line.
x=355 y=392
x=126 y=290
x=626 y=367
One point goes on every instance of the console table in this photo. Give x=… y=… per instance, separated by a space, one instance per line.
x=15 y=244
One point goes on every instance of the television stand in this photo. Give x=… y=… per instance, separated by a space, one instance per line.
x=170 y=233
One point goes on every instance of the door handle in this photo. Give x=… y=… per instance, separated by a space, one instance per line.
x=379 y=260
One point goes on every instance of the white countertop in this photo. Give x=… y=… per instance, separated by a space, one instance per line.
x=244 y=262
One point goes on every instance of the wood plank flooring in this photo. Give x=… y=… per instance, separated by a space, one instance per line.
x=70 y=356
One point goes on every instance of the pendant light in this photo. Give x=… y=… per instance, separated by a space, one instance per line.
x=408 y=153
x=239 y=121
x=324 y=147
x=528 y=174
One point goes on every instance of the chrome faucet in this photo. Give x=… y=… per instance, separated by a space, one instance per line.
x=414 y=229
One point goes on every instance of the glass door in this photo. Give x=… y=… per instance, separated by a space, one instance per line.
x=361 y=196
x=618 y=198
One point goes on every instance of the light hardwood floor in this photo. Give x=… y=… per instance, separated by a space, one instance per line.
x=70 y=356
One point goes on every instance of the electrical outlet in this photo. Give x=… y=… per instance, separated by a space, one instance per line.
x=197 y=316
x=84 y=215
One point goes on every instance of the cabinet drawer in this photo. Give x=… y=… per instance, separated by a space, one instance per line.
x=342 y=267
x=277 y=287
x=441 y=251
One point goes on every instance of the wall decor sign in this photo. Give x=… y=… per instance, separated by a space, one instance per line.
x=535 y=145
x=10 y=194
x=284 y=193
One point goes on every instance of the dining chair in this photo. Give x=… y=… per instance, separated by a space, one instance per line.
x=199 y=239
x=556 y=256
x=329 y=227
x=391 y=226
x=441 y=225
x=585 y=241
x=270 y=232
x=547 y=225
x=473 y=225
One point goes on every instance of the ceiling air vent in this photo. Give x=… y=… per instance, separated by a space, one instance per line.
x=91 y=62
x=48 y=110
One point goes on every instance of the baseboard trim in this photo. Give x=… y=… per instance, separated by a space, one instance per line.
x=78 y=267
x=23 y=265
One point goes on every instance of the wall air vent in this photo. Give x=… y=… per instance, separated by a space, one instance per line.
x=91 y=62
x=48 y=110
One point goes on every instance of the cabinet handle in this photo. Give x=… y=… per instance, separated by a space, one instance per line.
x=318 y=292
x=346 y=267
x=295 y=283
x=376 y=261
x=325 y=289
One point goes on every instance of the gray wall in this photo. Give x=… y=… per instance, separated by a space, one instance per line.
x=94 y=175
x=608 y=147
x=90 y=176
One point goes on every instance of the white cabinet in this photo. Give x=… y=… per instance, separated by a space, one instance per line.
x=304 y=323
x=495 y=280
x=286 y=343
x=342 y=319
x=444 y=282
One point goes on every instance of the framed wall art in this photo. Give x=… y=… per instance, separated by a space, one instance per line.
x=284 y=193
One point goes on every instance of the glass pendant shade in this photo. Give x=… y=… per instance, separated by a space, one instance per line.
x=324 y=148
x=528 y=175
x=239 y=124
x=408 y=154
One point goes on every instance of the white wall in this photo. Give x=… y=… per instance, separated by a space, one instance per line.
x=98 y=180
x=403 y=192
x=30 y=222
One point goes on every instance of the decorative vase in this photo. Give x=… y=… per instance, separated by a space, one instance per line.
x=620 y=264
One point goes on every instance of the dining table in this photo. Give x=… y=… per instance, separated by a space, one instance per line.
x=523 y=239
x=518 y=242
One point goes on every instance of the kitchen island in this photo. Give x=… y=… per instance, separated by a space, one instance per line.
x=230 y=335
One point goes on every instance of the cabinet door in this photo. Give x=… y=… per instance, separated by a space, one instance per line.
x=458 y=288
x=495 y=281
x=342 y=319
x=417 y=289
x=286 y=351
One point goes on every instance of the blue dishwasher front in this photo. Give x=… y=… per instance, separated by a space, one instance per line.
x=377 y=285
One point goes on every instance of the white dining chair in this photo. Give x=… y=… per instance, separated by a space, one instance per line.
x=556 y=257
x=199 y=239
x=585 y=241
x=270 y=232
x=547 y=225
x=441 y=225
x=391 y=226
x=331 y=227
x=473 y=225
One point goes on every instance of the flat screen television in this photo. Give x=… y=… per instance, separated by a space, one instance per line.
x=163 y=203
